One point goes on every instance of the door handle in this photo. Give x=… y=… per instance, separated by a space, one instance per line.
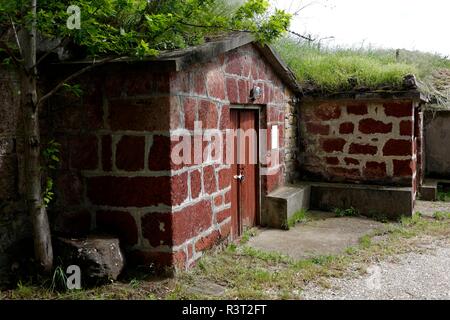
x=241 y=176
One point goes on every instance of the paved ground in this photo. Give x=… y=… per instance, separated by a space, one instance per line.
x=424 y=274
x=320 y=237
x=411 y=276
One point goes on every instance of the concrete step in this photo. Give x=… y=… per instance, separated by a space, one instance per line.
x=283 y=203
x=429 y=190
x=369 y=200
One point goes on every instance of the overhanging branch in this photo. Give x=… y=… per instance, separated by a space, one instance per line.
x=75 y=75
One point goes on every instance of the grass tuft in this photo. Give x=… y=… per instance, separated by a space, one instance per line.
x=297 y=217
x=350 y=212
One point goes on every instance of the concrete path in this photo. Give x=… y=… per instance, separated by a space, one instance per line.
x=409 y=276
x=327 y=236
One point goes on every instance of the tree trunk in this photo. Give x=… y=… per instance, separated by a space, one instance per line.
x=41 y=228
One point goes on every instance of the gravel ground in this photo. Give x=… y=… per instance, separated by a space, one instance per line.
x=417 y=275
x=428 y=208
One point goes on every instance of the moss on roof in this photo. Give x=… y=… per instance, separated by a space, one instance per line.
x=333 y=70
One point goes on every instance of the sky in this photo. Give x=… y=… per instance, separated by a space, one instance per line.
x=399 y=24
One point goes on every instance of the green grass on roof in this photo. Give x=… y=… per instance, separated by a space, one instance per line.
x=331 y=70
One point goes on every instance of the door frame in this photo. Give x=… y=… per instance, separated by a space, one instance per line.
x=257 y=109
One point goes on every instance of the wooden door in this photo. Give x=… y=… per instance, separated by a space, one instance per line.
x=245 y=182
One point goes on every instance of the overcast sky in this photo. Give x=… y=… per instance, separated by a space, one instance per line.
x=400 y=24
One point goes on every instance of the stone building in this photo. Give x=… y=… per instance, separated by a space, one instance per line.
x=139 y=155
x=119 y=174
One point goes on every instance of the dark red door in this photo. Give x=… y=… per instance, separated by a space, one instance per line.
x=244 y=187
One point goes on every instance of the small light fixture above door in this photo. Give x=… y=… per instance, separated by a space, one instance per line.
x=255 y=93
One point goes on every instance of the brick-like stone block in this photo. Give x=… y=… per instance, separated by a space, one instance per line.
x=234 y=65
x=346 y=128
x=232 y=90
x=84 y=152
x=191 y=221
x=142 y=81
x=356 y=148
x=223 y=215
x=196 y=183
x=403 y=168
x=190 y=112
x=107 y=153
x=398 y=109
x=224 y=178
x=130 y=153
x=244 y=88
x=93 y=102
x=180 y=82
x=225 y=122
x=215 y=83
x=119 y=224
x=333 y=145
x=199 y=83
x=208 y=241
x=218 y=200
x=208 y=114
x=398 y=148
x=209 y=180
x=179 y=188
x=327 y=111
x=160 y=153
x=268 y=92
x=317 y=128
x=70 y=188
x=406 y=128
x=351 y=161
x=129 y=192
x=359 y=109
x=332 y=161
x=371 y=126
x=152 y=114
x=228 y=197
x=376 y=170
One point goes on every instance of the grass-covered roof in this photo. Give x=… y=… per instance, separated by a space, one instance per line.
x=334 y=70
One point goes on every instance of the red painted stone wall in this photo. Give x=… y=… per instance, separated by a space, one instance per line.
x=117 y=175
x=359 y=142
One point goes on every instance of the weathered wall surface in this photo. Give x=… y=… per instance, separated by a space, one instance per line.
x=362 y=142
x=437 y=140
x=117 y=175
x=14 y=222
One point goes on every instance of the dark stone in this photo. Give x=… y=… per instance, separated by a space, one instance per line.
x=99 y=258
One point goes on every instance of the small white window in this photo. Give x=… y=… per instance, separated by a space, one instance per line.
x=274 y=137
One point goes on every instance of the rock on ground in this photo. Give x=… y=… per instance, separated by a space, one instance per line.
x=99 y=258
